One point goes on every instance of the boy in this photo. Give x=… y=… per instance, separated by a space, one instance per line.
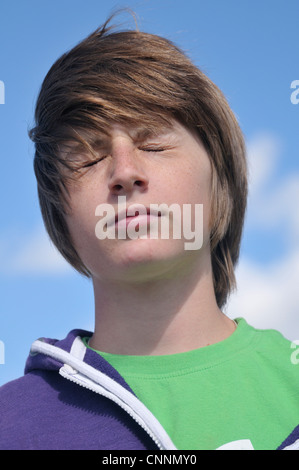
x=125 y=116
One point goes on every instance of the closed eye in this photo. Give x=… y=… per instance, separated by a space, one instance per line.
x=92 y=163
x=152 y=149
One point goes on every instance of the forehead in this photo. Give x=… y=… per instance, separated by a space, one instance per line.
x=136 y=131
x=140 y=132
x=87 y=139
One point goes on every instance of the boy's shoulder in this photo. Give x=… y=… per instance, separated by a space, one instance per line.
x=43 y=411
x=24 y=403
x=273 y=341
x=265 y=337
x=19 y=405
x=272 y=359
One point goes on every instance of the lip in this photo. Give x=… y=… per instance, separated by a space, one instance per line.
x=134 y=212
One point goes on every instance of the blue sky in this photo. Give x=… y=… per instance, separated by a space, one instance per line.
x=250 y=50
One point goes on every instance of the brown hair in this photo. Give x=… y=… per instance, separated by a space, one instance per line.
x=130 y=77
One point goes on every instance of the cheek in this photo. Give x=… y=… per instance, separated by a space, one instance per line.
x=197 y=185
x=81 y=220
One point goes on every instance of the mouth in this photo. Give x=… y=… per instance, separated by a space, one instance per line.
x=135 y=212
x=138 y=213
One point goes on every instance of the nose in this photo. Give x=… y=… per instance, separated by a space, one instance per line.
x=126 y=172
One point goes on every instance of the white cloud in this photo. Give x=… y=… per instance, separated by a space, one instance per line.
x=34 y=254
x=268 y=294
x=271 y=206
x=262 y=154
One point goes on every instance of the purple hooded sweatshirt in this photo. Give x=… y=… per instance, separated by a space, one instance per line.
x=72 y=398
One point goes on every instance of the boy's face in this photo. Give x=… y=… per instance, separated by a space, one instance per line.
x=170 y=167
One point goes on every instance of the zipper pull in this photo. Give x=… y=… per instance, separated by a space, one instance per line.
x=68 y=370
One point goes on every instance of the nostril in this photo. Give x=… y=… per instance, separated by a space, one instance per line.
x=124 y=183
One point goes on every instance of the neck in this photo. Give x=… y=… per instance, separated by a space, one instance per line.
x=174 y=314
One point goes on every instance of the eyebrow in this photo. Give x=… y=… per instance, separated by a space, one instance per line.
x=99 y=140
x=142 y=133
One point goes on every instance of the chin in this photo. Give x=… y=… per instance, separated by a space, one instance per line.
x=150 y=250
x=141 y=259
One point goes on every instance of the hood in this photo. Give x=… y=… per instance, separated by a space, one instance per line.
x=43 y=361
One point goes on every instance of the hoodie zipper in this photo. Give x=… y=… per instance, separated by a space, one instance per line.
x=75 y=370
x=81 y=381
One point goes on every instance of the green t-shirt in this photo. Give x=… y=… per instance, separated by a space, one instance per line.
x=245 y=387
